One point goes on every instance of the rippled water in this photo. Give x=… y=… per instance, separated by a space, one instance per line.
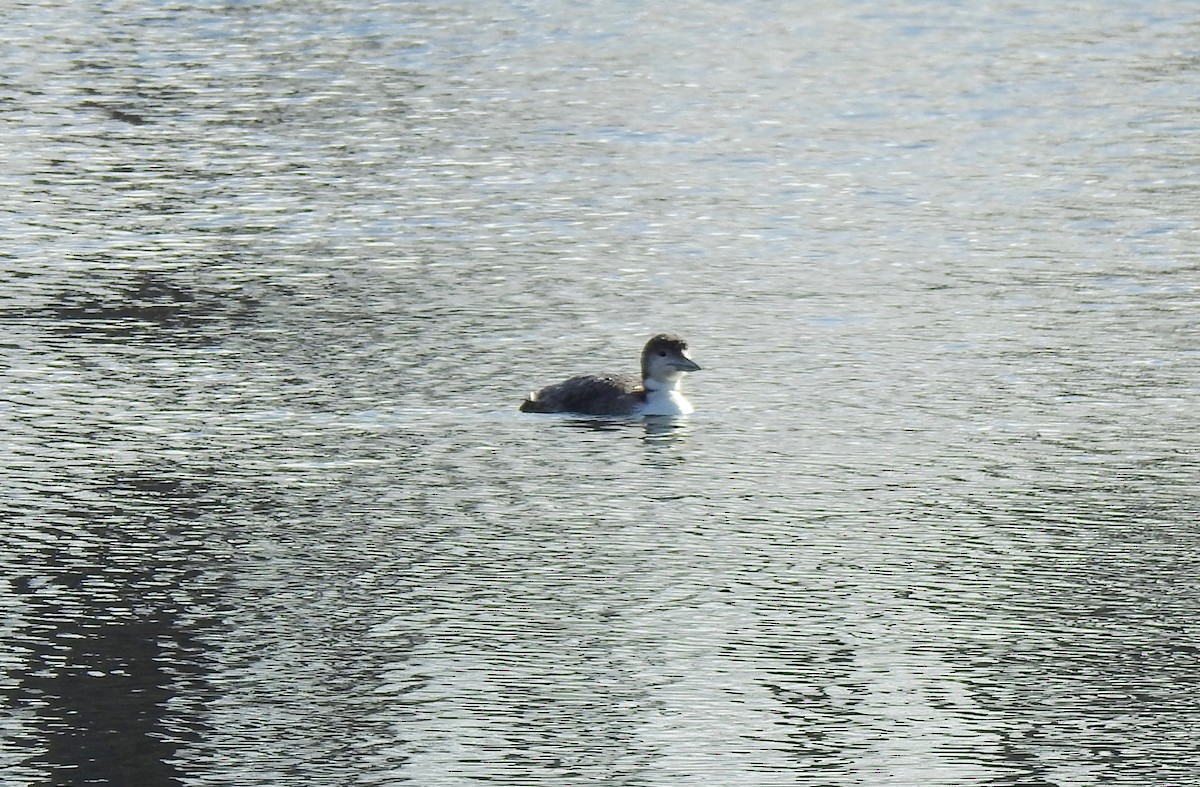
x=276 y=275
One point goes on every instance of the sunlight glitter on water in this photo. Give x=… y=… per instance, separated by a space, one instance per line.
x=277 y=280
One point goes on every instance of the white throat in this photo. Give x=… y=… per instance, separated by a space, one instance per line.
x=665 y=398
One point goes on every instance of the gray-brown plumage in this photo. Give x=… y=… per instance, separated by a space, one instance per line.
x=664 y=361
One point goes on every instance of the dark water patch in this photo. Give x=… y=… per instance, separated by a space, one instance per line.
x=117 y=113
x=102 y=688
x=108 y=638
x=147 y=308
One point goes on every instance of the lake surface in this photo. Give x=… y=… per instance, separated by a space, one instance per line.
x=275 y=277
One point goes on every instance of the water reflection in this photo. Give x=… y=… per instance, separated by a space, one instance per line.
x=108 y=634
x=665 y=429
x=655 y=429
x=101 y=693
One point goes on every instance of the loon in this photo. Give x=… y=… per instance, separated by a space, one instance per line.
x=664 y=360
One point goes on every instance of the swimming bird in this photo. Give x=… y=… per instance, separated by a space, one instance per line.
x=664 y=360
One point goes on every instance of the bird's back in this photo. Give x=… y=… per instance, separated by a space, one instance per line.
x=589 y=394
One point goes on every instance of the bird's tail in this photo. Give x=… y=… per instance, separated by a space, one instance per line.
x=531 y=404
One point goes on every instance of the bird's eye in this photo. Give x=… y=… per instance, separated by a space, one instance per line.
x=662 y=353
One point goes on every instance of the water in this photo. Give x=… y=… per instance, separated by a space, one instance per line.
x=277 y=275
